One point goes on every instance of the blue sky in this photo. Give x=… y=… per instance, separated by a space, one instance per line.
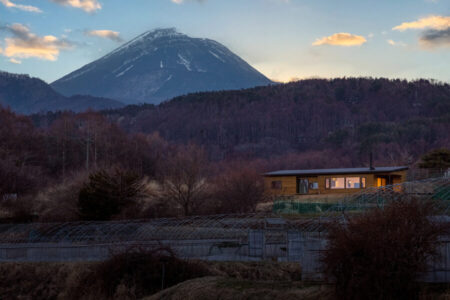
x=284 y=39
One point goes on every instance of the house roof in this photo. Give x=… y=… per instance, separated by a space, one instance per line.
x=336 y=171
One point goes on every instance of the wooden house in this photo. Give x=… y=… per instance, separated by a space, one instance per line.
x=331 y=181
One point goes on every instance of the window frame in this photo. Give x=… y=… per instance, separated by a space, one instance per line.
x=353 y=188
x=331 y=188
x=362 y=183
x=313 y=185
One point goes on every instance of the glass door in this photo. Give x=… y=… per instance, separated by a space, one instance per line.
x=381 y=181
x=302 y=186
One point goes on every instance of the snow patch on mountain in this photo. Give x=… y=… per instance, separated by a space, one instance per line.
x=146 y=38
x=217 y=56
x=79 y=73
x=185 y=62
x=126 y=70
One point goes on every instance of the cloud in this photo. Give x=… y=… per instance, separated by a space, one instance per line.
x=435 y=38
x=430 y=22
x=15 y=61
x=89 y=6
x=25 y=44
x=396 y=44
x=437 y=33
x=29 y=8
x=106 y=34
x=341 y=39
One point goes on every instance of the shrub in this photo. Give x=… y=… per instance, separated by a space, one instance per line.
x=58 y=202
x=239 y=190
x=140 y=272
x=379 y=255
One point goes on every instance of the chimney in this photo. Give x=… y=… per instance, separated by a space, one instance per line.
x=371 y=161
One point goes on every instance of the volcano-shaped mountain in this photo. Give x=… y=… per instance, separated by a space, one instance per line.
x=160 y=65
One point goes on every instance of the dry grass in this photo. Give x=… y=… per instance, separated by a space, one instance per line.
x=40 y=280
x=75 y=280
x=226 y=288
x=265 y=271
x=228 y=280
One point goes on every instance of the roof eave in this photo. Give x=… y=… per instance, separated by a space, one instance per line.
x=274 y=174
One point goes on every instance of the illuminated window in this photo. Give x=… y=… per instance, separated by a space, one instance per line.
x=337 y=183
x=345 y=183
x=381 y=181
x=276 y=185
x=353 y=182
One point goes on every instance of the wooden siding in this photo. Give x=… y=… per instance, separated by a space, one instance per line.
x=289 y=183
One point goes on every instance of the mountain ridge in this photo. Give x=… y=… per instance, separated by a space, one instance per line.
x=27 y=95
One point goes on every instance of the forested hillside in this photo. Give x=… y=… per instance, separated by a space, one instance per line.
x=204 y=153
x=397 y=119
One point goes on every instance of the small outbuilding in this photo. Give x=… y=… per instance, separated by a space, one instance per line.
x=331 y=181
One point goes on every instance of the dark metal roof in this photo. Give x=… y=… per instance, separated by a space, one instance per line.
x=336 y=171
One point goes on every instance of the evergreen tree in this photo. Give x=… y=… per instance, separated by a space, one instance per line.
x=436 y=159
x=107 y=194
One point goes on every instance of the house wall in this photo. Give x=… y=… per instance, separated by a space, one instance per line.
x=289 y=183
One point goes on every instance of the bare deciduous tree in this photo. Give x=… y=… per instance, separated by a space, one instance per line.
x=184 y=179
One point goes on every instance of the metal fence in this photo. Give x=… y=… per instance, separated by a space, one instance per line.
x=250 y=237
x=222 y=237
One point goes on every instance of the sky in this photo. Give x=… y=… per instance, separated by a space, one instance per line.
x=284 y=39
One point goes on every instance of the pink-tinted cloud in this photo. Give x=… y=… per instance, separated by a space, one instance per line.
x=29 y=8
x=341 y=39
x=89 y=6
x=25 y=44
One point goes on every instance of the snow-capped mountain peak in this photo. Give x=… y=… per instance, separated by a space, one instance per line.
x=161 y=64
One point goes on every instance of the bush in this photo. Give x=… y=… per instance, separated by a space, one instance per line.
x=379 y=255
x=139 y=273
x=58 y=202
x=239 y=190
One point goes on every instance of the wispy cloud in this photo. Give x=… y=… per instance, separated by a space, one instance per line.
x=430 y=22
x=396 y=44
x=106 y=34
x=89 y=6
x=341 y=39
x=25 y=44
x=29 y=8
x=15 y=61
